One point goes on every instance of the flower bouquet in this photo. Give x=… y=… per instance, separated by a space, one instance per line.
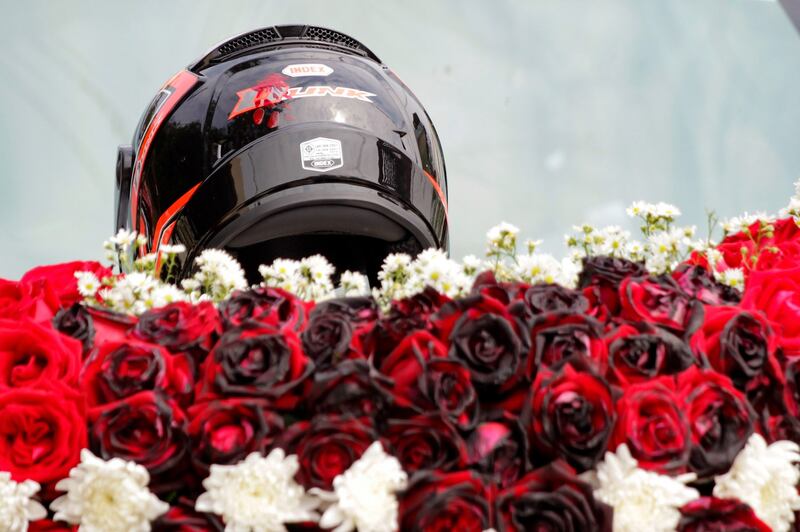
x=647 y=384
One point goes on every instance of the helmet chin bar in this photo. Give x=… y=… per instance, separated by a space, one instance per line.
x=122 y=192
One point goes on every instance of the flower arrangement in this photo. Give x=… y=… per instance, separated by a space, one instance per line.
x=646 y=384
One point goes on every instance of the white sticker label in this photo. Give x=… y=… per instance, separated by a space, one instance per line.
x=321 y=154
x=307 y=69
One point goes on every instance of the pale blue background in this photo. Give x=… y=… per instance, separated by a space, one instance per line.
x=551 y=112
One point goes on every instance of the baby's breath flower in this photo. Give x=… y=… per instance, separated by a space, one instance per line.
x=471 y=265
x=354 y=283
x=502 y=238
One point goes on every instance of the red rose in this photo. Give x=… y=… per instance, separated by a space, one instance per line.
x=42 y=432
x=499 y=449
x=720 y=418
x=110 y=326
x=436 y=502
x=638 y=352
x=572 y=413
x=544 y=298
x=709 y=514
x=739 y=344
x=35 y=300
x=473 y=306
x=552 y=498
x=557 y=336
x=181 y=327
x=117 y=370
x=46 y=525
x=425 y=442
x=256 y=361
x=404 y=317
x=76 y=322
x=600 y=279
x=700 y=284
x=327 y=446
x=425 y=381
x=264 y=305
x=352 y=387
x=776 y=293
x=61 y=278
x=33 y=355
x=147 y=428
x=227 y=430
x=659 y=301
x=651 y=421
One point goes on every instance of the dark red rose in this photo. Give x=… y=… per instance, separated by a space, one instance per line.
x=327 y=446
x=352 y=387
x=709 y=514
x=35 y=300
x=660 y=301
x=638 y=352
x=257 y=362
x=699 y=283
x=227 y=430
x=552 y=498
x=474 y=306
x=116 y=370
x=572 y=413
x=720 y=418
x=546 y=298
x=557 y=336
x=488 y=344
x=499 y=449
x=601 y=277
x=61 y=277
x=791 y=391
x=780 y=427
x=42 y=432
x=147 y=428
x=182 y=517
x=486 y=284
x=328 y=339
x=425 y=442
x=110 y=326
x=76 y=322
x=404 y=317
x=264 y=305
x=776 y=293
x=33 y=355
x=425 y=381
x=652 y=422
x=739 y=344
x=181 y=327
x=437 y=502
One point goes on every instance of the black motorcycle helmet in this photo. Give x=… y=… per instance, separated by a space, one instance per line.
x=284 y=142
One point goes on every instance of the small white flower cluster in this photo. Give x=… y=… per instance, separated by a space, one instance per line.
x=401 y=276
x=17 y=506
x=309 y=278
x=793 y=209
x=259 y=494
x=743 y=222
x=217 y=276
x=133 y=293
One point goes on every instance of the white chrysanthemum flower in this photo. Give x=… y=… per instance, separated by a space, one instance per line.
x=765 y=477
x=107 y=496
x=642 y=500
x=259 y=494
x=88 y=283
x=364 y=496
x=354 y=283
x=733 y=277
x=17 y=507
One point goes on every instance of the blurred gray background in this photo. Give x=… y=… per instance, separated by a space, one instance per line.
x=551 y=112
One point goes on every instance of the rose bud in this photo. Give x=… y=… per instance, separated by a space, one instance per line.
x=263 y=305
x=499 y=449
x=33 y=355
x=699 y=283
x=445 y=502
x=572 y=413
x=77 y=323
x=61 y=278
x=601 y=277
x=117 y=370
x=326 y=447
x=425 y=442
x=35 y=300
x=147 y=428
x=741 y=345
x=709 y=514
x=225 y=431
x=558 y=336
x=660 y=301
x=552 y=498
x=351 y=387
x=545 y=298
x=638 y=352
x=181 y=327
x=404 y=317
x=425 y=381
x=720 y=418
x=256 y=361
x=652 y=422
